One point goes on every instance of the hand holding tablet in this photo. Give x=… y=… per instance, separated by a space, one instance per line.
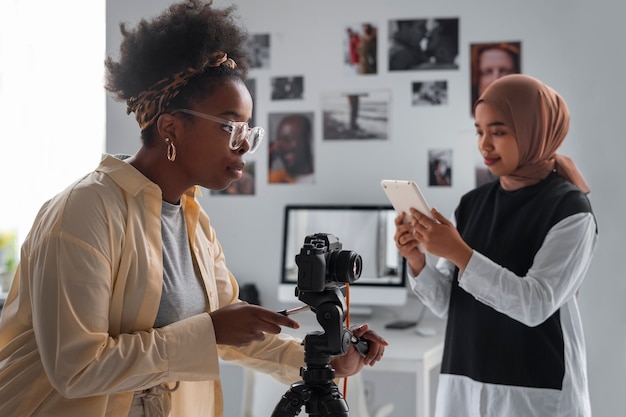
x=404 y=195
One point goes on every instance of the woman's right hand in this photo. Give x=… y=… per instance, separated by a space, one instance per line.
x=407 y=245
x=240 y=324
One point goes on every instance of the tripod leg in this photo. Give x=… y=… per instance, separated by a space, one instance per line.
x=323 y=400
x=335 y=408
x=327 y=402
x=291 y=402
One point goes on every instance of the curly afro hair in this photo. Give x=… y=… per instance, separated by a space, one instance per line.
x=180 y=38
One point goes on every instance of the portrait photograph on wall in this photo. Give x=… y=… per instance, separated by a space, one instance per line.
x=490 y=61
x=360 y=48
x=287 y=88
x=259 y=48
x=242 y=186
x=423 y=44
x=429 y=93
x=291 y=148
x=440 y=167
x=356 y=114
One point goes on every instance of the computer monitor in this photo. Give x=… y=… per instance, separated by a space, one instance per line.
x=365 y=229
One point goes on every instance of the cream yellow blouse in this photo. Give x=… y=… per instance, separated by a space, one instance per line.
x=76 y=336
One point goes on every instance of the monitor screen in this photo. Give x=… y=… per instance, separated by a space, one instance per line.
x=365 y=229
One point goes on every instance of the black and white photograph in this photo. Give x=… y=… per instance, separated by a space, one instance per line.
x=259 y=47
x=287 y=88
x=356 y=115
x=423 y=44
x=429 y=93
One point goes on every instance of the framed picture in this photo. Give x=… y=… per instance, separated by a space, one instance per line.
x=423 y=44
x=356 y=115
x=288 y=88
x=440 y=167
x=291 y=152
x=361 y=48
x=490 y=61
x=429 y=93
x=259 y=47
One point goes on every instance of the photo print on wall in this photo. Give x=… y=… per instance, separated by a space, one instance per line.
x=423 y=44
x=287 y=88
x=440 y=167
x=490 y=61
x=429 y=93
x=360 y=42
x=356 y=115
x=259 y=47
x=291 y=157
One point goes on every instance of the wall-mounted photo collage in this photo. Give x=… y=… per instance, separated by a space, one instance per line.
x=417 y=45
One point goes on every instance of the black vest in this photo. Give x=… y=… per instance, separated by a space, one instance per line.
x=509 y=228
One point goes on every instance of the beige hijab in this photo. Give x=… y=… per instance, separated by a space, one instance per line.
x=539 y=119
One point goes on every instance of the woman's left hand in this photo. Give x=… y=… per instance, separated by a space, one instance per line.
x=440 y=237
x=352 y=362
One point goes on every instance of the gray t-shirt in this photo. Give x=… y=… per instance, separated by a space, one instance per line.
x=183 y=295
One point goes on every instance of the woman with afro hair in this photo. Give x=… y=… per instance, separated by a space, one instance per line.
x=122 y=304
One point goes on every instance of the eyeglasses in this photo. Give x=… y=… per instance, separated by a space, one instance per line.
x=239 y=131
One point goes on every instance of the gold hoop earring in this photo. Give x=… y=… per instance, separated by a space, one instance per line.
x=171 y=150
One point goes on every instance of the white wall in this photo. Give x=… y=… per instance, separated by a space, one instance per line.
x=576 y=46
x=39 y=146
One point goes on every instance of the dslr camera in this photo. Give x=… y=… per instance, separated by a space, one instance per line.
x=323 y=265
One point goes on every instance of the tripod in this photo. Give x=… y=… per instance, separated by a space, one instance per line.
x=317 y=390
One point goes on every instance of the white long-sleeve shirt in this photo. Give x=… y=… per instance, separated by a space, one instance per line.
x=547 y=287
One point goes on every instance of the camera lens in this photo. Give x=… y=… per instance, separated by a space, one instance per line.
x=344 y=266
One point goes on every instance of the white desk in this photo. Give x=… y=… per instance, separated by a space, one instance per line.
x=407 y=353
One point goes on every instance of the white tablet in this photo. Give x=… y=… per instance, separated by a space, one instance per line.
x=404 y=195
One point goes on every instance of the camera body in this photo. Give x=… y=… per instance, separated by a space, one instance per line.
x=322 y=264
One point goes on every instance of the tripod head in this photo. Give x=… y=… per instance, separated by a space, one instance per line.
x=329 y=309
x=321 y=265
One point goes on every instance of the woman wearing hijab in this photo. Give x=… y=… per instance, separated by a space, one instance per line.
x=509 y=268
